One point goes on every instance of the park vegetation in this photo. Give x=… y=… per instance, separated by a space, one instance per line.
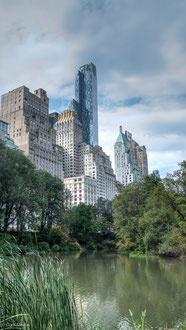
x=33 y=203
x=150 y=216
x=147 y=217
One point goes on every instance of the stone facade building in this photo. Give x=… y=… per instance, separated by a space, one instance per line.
x=80 y=158
x=83 y=190
x=30 y=128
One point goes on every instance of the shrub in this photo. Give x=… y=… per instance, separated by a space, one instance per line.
x=74 y=246
x=58 y=235
x=8 y=248
x=100 y=246
x=174 y=244
x=25 y=238
x=44 y=246
x=56 y=248
x=110 y=244
x=91 y=246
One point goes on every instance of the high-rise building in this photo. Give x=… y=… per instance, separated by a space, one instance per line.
x=156 y=173
x=142 y=161
x=140 y=154
x=126 y=166
x=69 y=135
x=30 y=128
x=86 y=96
x=82 y=159
x=82 y=189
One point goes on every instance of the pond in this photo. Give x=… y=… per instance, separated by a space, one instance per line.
x=107 y=285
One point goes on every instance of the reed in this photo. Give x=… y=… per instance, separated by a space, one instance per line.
x=34 y=294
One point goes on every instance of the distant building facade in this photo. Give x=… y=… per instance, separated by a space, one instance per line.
x=80 y=158
x=156 y=173
x=130 y=166
x=30 y=128
x=86 y=102
x=69 y=135
x=4 y=136
x=82 y=189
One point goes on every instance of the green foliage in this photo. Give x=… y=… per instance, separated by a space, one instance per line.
x=36 y=295
x=109 y=244
x=58 y=235
x=136 y=324
x=27 y=196
x=174 y=244
x=74 y=246
x=56 y=248
x=149 y=215
x=43 y=246
x=91 y=246
x=104 y=209
x=8 y=248
x=83 y=226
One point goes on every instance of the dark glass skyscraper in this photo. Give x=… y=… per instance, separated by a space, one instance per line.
x=86 y=96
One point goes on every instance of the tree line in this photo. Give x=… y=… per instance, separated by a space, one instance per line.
x=145 y=217
x=32 y=199
x=150 y=216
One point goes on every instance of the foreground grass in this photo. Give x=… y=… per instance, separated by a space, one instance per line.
x=35 y=295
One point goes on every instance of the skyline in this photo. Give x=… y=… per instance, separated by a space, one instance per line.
x=138 y=49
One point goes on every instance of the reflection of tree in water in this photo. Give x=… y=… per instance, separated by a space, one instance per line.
x=154 y=285
x=94 y=274
x=116 y=283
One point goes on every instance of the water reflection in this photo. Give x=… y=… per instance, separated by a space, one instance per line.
x=109 y=284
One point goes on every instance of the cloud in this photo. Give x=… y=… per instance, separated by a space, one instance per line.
x=139 y=49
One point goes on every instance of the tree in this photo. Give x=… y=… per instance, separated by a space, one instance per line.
x=83 y=226
x=175 y=186
x=16 y=187
x=129 y=207
x=51 y=199
x=156 y=221
x=104 y=208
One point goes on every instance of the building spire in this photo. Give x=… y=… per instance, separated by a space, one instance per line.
x=120 y=129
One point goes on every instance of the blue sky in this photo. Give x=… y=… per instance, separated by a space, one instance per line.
x=138 y=47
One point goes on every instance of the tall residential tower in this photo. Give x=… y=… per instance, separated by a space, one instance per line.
x=126 y=162
x=86 y=96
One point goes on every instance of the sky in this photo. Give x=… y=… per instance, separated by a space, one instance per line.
x=139 y=49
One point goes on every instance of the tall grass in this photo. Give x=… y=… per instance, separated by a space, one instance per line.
x=35 y=295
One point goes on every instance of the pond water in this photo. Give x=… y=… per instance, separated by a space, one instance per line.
x=109 y=284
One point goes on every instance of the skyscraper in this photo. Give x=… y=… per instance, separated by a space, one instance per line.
x=81 y=159
x=86 y=96
x=126 y=167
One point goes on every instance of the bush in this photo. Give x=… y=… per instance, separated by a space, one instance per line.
x=110 y=244
x=25 y=238
x=100 y=246
x=74 y=246
x=174 y=244
x=91 y=246
x=58 y=235
x=27 y=249
x=56 y=248
x=44 y=246
x=8 y=248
